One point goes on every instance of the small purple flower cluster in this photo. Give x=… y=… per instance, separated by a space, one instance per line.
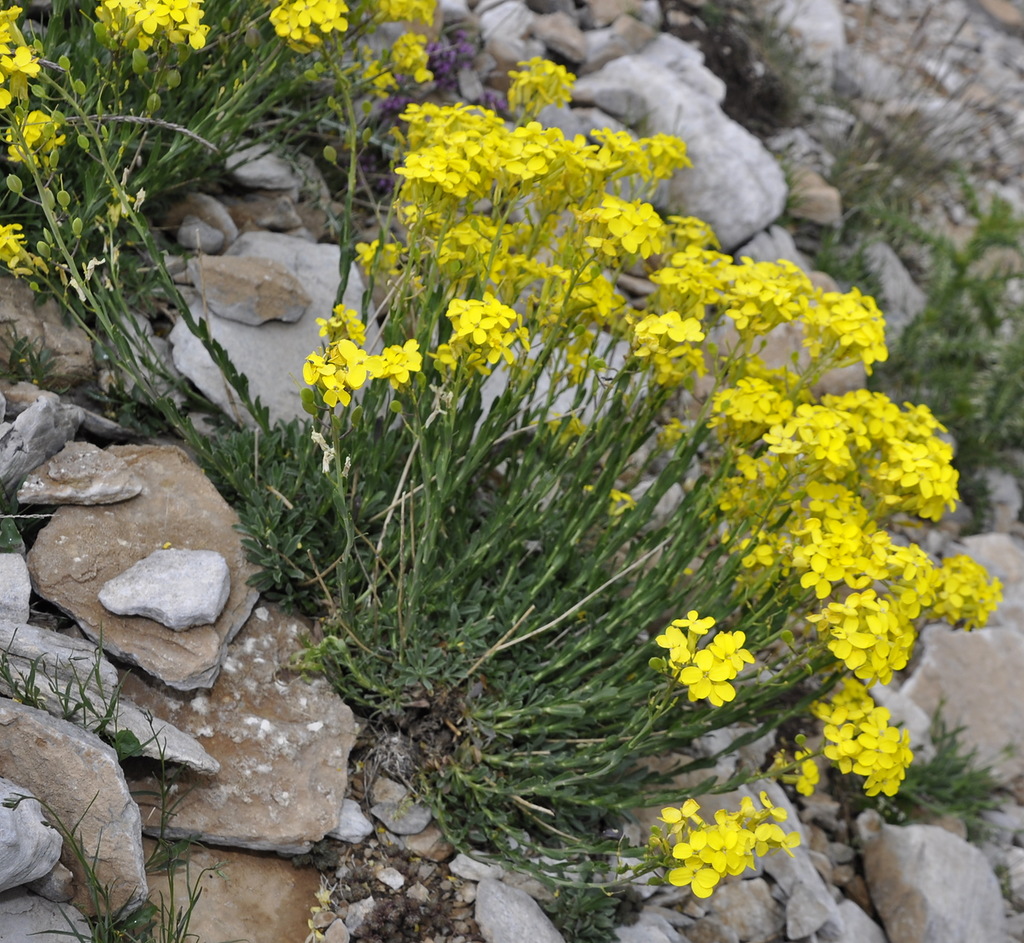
x=448 y=57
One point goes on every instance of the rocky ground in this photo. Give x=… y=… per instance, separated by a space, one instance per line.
x=270 y=772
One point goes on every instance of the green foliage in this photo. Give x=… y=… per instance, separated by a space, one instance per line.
x=27 y=360
x=964 y=355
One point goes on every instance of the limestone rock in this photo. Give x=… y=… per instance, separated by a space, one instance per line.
x=209 y=210
x=257 y=168
x=931 y=887
x=26 y=918
x=78 y=778
x=746 y=907
x=975 y=677
x=282 y=743
x=38 y=433
x=508 y=21
x=15 y=587
x=45 y=328
x=403 y=817
x=195 y=233
x=687 y=62
x=250 y=291
x=56 y=665
x=508 y=915
x=258 y=897
x=900 y=297
x=624 y=37
x=1003 y=557
x=29 y=846
x=735 y=184
x=352 y=825
x=271 y=356
x=83 y=547
x=858 y=927
x=81 y=473
x=177 y=588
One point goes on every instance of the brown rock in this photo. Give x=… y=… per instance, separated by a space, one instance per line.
x=251 y=291
x=813 y=198
x=430 y=844
x=1004 y=13
x=605 y=12
x=80 y=473
x=250 y=896
x=46 y=329
x=560 y=34
x=83 y=547
x=270 y=209
x=77 y=778
x=282 y=743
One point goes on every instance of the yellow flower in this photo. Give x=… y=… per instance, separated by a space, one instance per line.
x=304 y=23
x=39 y=132
x=539 y=83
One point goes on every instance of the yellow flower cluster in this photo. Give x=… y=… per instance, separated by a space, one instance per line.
x=619 y=229
x=709 y=672
x=806 y=776
x=343 y=367
x=18 y=63
x=408 y=11
x=13 y=253
x=537 y=83
x=37 y=137
x=666 y=341
x=483 y=333
x=303 y=24
x=862 y=741
x=138 y=24
x=866 y=633
x=344 y=323
x=964 y=594
x=704 y=852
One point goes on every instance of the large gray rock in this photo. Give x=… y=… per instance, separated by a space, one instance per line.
x=15 y=587
x=38 y=433
x=747 y=908
x=282 y=742
x=734 y=184
x=858 y=927
x=508 y=915
x=69 y=678
x=900 y=297
x=80 y=473
x=258 y=168
x=83 y=547
x=26 y=918
x=929 y=886
x=249 y=290
x=29 y=846
x=177 y=588
x=975 y=678
x=78 y=778
x=271 y=355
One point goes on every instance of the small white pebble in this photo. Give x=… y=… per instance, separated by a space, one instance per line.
x=262 y=614
x=391 y=877
x=315 y=726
